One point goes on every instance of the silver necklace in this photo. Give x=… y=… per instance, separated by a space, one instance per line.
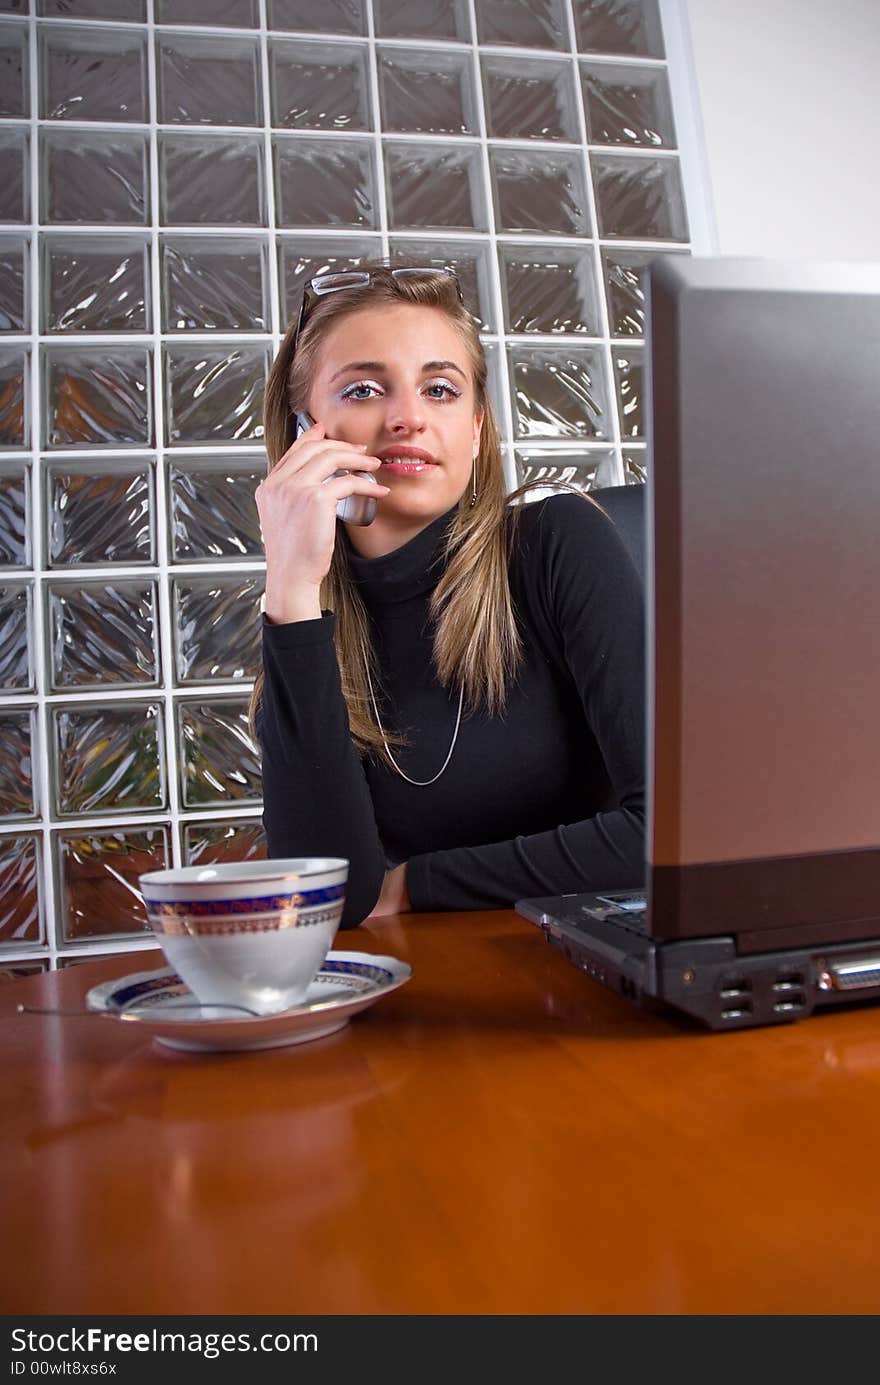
x=419 y=783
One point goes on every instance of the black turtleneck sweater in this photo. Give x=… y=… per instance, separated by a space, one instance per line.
x=547 y=799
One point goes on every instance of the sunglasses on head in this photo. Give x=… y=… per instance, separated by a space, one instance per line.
x=359 y=279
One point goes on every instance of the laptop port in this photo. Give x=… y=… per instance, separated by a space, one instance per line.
x=850 y=974
x=793 y=1005
x=739 y=1011
x=734 y=992
x=789 y=981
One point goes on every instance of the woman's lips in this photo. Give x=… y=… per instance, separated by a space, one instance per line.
x=406 y=466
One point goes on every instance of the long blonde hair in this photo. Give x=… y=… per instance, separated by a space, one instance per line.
x=477 y=645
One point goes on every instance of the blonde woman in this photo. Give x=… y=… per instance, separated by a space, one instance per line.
x=452 y=695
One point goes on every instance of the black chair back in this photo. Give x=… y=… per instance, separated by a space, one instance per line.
x=625 y=507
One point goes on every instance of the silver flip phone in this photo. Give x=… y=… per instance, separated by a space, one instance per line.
x=354 y=509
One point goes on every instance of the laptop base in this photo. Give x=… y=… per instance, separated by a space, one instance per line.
x=704 y=978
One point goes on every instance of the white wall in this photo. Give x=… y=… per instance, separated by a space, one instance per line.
x=790 y=97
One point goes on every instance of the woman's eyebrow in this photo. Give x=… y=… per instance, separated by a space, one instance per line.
x=379 y=366
x=358 y=365
x=444 y=365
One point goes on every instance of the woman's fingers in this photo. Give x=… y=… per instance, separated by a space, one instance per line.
x=338 y=487
x=314 y=464
x=311 y=444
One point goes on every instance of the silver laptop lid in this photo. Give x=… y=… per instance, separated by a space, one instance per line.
x=764 y=565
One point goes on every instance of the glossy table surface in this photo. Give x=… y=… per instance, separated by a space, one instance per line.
x=501 y=1135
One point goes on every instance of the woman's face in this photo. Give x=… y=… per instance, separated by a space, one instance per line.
x=398 y=378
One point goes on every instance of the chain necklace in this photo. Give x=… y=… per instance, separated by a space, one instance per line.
x=419 y=783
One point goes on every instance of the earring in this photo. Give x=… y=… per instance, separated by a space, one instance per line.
x=474 y=483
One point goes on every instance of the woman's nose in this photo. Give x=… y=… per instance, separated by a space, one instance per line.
x=406 y=415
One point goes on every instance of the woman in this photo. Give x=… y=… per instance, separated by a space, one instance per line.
x=467 y=726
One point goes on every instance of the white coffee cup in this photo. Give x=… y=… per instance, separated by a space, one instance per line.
x=248 y=934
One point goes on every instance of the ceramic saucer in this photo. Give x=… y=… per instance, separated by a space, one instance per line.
x=160 y=1004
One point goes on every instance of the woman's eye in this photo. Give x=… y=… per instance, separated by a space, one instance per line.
x=441 y=389
x=362 y=389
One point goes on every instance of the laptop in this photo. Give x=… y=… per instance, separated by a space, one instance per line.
x=761 y=898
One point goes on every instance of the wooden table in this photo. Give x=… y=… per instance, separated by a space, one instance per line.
x=500 y=1136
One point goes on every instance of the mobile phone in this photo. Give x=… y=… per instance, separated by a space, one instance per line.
x=354 y=509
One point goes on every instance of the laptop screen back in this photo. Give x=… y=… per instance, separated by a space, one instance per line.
x=764 y=586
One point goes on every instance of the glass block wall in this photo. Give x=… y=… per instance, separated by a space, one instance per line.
x=171 y=171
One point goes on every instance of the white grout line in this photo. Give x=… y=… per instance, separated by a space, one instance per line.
x=165 y=641
x=40 y=751
x=506 y=422
x=274 y=324
x=378 y=150
x=596 y=256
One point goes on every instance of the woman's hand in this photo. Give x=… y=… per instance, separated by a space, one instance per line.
x=297 y=508
x=393 y=898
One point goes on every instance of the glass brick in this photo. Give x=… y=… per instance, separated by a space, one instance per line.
x=16 y=640
x=494 y=384
x=230 y=14
x=214 y=284
x=217 y=628
x=630 y=27
x=14 y=284
x=627 y=105
x=103 y=635
x=94 y=177
x=108 y=759
x=96 y=397
x=219 y=759
x=96 y=284
x=469 y=259
x=93 y=74
x=405 y=74
x=329 y=17
x=529 y=99
x=635 y=467
x=14 y=72
x=540 y=190
x=21 y=918
x=628 y=375
x=559 y=392
x=300 y=258
x=622 y=270
x=545 y=466
x=14 y=175
x=325 y=183
x=16 y=765
x=434 y=186
x=319 y=86
x=98 y=880
x=133 y=10
x=15 y=514
x=639 y=198
x=15 y=414
x=14 y=6
x=213 y=510
x=211 y=180
x=447 y=19
x=207 y=843
x=100 y=512
x=214 y=393
x=207 y=80
x=549 y=289
x=524 y=23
